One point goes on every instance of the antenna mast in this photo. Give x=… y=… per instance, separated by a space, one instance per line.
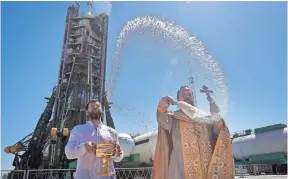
x=89 y=7
x=191 y=83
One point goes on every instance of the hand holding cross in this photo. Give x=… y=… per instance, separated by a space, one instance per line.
x=207 y=91
x=214 y=109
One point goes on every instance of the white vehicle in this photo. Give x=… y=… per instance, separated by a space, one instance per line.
x=257 y=144
x=127 y=144
x=145 y=145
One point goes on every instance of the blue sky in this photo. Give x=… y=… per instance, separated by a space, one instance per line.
x=247 y=38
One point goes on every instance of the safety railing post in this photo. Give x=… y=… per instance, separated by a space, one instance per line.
x=27 y=174
x=24 y=174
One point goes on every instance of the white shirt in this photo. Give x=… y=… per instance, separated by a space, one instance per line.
x=88 y=165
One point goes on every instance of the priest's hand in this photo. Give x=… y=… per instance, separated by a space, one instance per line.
x=165 y=102
x=214 y=109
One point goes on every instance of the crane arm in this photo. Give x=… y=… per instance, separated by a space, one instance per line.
x=33 y=144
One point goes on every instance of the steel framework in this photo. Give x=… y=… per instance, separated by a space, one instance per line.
x=81 y=78
x=82 y=72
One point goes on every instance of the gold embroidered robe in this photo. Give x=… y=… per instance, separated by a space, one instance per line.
x=191 y=150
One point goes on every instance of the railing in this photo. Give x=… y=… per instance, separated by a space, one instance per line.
x=121 y=173
x=134 y=173
x=253 y=169
x=50 y=174
x=17 y=174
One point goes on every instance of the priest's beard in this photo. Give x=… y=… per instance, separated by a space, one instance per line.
x=189 y=101
x=94 y=115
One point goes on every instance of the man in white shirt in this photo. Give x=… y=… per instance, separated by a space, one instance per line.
x=82 y=140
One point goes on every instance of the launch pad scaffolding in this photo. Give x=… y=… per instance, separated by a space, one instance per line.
x=81 y=78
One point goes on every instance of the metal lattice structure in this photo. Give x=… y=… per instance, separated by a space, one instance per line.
x=82 y=71
x=81 y=78
x=29 y=150
x=82 y=68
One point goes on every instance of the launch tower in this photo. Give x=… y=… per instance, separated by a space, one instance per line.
x=81 y=74
x=81 y=78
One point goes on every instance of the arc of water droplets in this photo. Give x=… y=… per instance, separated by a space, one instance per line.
x=139 y=119
x=176 y=35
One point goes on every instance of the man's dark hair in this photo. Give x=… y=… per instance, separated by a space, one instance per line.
x=91 y=101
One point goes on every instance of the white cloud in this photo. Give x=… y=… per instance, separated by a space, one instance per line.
x=102 y=7
x=187 y=2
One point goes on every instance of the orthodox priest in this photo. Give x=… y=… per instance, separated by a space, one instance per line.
x=191 y=144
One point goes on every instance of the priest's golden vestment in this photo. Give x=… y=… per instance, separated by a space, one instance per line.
x=188 y=148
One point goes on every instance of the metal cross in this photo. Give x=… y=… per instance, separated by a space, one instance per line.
x=207 y=91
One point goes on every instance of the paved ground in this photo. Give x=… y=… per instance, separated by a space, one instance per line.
x=265 y=177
